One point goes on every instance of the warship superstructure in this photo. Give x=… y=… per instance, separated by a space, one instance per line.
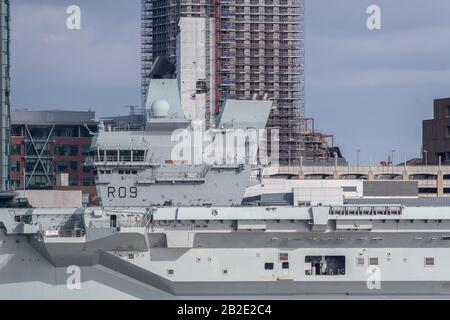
x=169 y=228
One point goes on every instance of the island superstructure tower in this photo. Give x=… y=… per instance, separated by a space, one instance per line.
x=258 y=49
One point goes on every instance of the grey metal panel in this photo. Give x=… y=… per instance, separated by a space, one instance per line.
x=390 y=188
x=245 y=114
x=24 y=116
x=419 y=202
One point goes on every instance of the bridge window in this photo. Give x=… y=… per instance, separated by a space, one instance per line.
x=111 y=155
x=125 y=155
x=138 y=155
x=101 y=154
x=324 y=265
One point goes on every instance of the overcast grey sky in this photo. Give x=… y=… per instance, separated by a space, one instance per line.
x=371 y=89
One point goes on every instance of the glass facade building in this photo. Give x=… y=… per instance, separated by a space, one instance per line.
x=48 y=144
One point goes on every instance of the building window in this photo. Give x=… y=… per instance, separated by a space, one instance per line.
x=15 y=149
x=285 y=265
x=73 y=165
x=37 y=182
x=88 y=182
x=38 y=148
x=448 y=111
x=268 y=266
x=66 y=132
x=15 y=166
x=67 y=150
x=38 y=133
x=16 y=131
x=61 y=166
x=15 y=183
x=429 y=261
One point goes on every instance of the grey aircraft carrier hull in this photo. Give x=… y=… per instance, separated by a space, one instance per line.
x=27 y=274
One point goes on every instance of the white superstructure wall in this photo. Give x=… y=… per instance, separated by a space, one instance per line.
x=313 y=192
x=194 y=50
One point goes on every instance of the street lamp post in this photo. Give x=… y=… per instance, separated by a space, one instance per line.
x=357 y=159
x=335 y=160
x=392 y=159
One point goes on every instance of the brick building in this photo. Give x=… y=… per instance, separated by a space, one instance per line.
x=48 y=149
x=436 y=134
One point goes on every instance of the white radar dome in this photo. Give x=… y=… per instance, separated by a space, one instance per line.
x=160 y=108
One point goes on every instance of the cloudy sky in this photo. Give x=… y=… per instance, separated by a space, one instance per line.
x=371 y=89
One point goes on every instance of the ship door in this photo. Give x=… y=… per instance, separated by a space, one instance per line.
x=284 y=261
x=113 y=221
x=285 y=268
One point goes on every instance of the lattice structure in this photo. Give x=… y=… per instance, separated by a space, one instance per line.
x=259 y=49
x=48 y=145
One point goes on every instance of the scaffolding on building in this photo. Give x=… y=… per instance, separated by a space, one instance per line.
x=259 y=49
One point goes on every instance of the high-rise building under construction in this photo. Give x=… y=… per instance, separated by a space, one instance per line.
x=248 y=48
x=4 y=94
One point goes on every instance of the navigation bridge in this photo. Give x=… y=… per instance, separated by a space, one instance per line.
x=433 y=180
